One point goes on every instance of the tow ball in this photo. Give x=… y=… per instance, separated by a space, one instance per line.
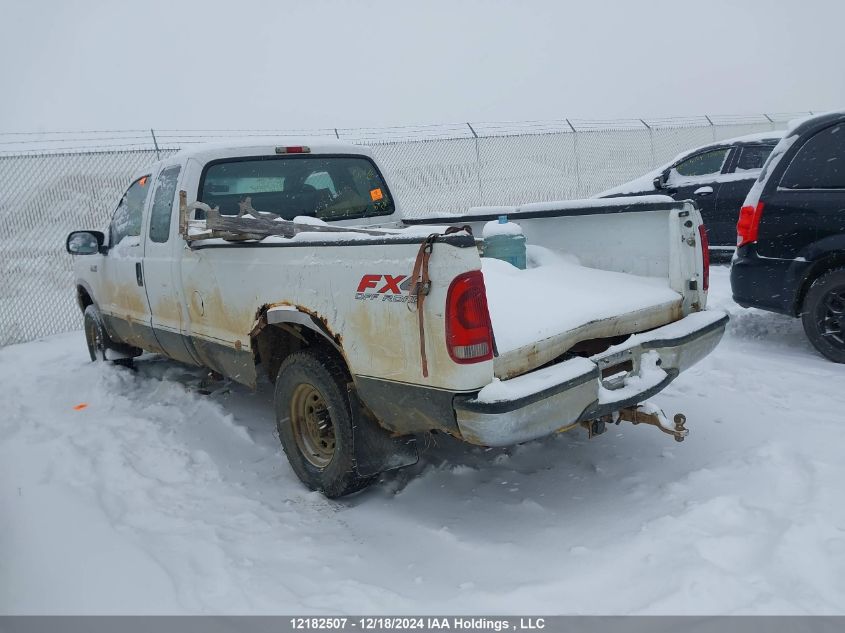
x=644 y=413
x=647 y=414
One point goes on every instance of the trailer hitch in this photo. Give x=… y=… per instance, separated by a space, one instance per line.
x=646 y=413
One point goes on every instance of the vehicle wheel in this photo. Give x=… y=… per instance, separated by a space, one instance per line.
x=315 y=423
x=95 y=334
x=824 y=315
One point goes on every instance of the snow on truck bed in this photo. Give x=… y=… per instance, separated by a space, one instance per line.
x=555 y=295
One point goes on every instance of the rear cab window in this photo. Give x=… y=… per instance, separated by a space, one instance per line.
x=325 y=187
x=819 y=163
x=163 y=198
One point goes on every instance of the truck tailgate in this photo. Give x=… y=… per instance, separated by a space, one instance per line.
x=540 y=313
x=641 y=268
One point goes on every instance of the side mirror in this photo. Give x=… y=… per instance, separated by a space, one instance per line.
x=660 y=181
x=85 y=242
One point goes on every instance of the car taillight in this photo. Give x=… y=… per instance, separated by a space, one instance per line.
x=705 y=257
x=749 y=223
x=469 y=334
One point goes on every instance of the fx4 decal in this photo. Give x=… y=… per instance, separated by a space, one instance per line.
x=394 y=288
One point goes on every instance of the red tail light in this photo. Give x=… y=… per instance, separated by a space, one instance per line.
x=469 y=334
x=705 y=257
x=749 y=223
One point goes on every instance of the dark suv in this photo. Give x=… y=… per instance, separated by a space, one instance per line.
x=790 y=255
x=716 y=176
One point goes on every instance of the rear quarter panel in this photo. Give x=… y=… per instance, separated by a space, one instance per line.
x=227 y=287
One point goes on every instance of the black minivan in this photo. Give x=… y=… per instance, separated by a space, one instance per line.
x=790 y=255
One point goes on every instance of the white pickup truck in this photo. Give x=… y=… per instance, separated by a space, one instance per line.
x=294 y=260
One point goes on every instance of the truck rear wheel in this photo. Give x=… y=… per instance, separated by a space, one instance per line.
x=315 y=423
x=824 y=315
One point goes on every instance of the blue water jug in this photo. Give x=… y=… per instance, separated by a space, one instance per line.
x=504 y=240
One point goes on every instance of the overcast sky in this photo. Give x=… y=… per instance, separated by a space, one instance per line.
x=288 y=65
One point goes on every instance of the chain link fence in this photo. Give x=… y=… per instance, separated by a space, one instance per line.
x=53 y=183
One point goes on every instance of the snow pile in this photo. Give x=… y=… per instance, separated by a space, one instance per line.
x=494 y=227
x=156 y=499
x=560 y=295
x=306 y=219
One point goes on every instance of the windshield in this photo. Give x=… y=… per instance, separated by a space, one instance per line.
x=328 y=188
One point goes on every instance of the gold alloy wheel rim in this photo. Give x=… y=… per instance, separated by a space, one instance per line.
x=312 y=425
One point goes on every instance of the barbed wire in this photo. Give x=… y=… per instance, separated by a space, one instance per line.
x=33 y=142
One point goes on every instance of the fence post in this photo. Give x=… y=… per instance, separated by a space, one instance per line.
x=477 y=166
x=336 y=134
x=650 y=139
x=712 y=127
x=155 y=143
x=769 y=119
x=577 y=161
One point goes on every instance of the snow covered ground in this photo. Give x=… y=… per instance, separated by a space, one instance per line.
x=157 y=499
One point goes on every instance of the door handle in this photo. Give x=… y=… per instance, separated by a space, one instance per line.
x=139 y=274
x=703 y=191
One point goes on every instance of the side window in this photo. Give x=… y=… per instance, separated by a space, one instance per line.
x=126 y=221
x=752 y=157
x=704 y=164
x=162 y=210
x=820 y=163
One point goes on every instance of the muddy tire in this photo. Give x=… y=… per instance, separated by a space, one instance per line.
x=823 y=316
x=315 y=423
x=96 y=337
